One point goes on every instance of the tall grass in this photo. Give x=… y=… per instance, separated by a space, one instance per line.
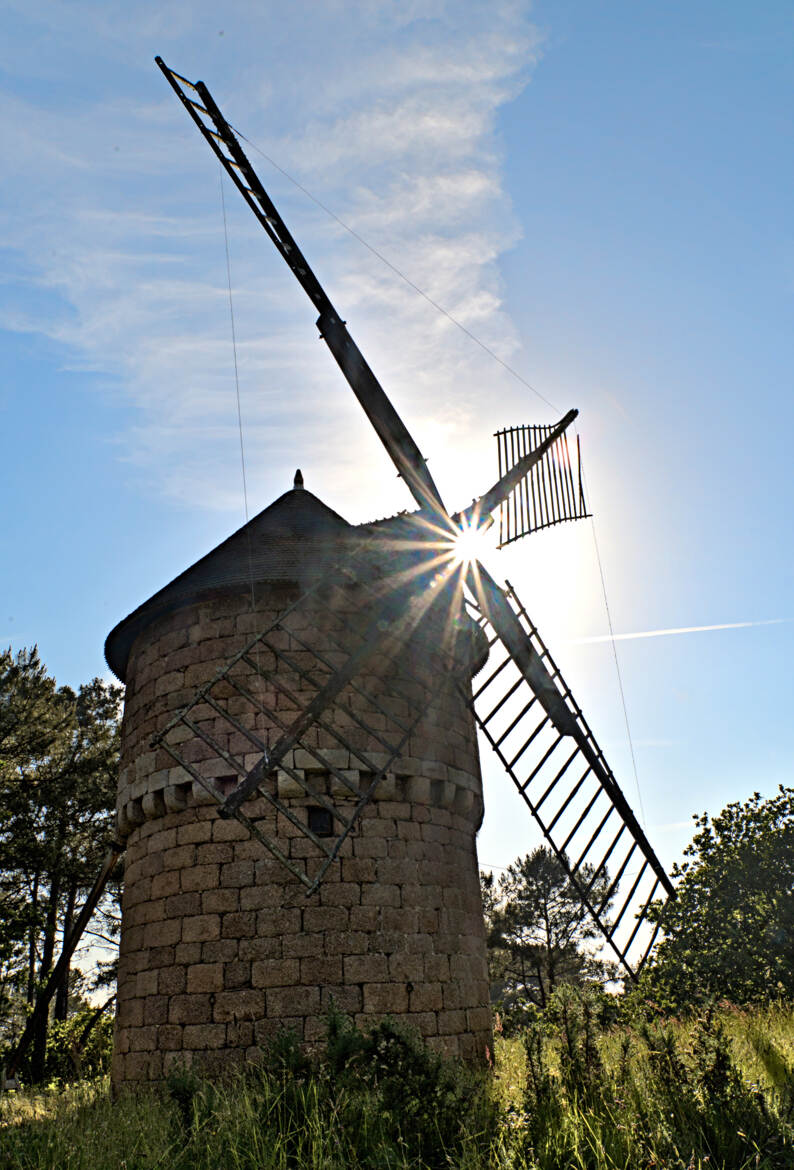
x=710 y=1093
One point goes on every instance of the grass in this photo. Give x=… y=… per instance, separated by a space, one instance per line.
x=708 y=1093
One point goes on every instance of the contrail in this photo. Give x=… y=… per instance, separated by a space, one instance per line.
x=677 y=630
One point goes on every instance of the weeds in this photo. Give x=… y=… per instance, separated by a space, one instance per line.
x=573 y=1091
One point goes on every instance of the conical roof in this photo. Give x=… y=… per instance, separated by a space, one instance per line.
x=289 y=541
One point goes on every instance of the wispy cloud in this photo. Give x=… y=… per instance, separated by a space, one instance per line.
x=389 y=120
x=675 y=630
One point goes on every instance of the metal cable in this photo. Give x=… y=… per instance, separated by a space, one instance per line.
x=397 y=271
x=496 y=358
x=613 y=644
x=239 y=408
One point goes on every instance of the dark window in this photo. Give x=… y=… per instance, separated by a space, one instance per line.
x=320 y=821
x=226 y=784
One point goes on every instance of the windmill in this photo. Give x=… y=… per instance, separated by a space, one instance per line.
x=522 y=702
x=294 y=736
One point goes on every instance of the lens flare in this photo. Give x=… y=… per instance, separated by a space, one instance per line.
x=469 y=544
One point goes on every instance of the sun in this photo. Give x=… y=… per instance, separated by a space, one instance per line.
x=469 y=544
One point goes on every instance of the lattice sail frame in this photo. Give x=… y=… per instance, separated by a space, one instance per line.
x=297 y=732
x=571 y=804
x=551 y=493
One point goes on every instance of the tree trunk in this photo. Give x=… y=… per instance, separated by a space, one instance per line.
x=47 y=954
x=61 y=1010
x=31 y=988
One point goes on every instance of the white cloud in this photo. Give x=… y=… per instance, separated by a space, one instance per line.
x=114 y=211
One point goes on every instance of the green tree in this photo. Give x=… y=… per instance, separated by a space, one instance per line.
x=730 y=931
x=58 y=764
x=538 y=931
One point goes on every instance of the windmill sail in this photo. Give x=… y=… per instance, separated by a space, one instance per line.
x=527 y=713
x=312 y=710
x=551 y=493
x=385 y=420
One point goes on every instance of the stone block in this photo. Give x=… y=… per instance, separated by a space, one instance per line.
x=239 y=924
x=199 y=878
x=320 y=918
x=153 y=805
x=194 y=833
x=260 y=948
x=451 y=1022
x=419 y=789
x=385 y=998
x=163 y=839
x=220 y=950
x=130 y=1013
x=275 y=972
x=344 y=998
x=479 y=1019
x=370 y=847
x=237 y=873
x=229 y=830
x=346 y=942
x=366 y=968
x=239 y=1033
x=165 y=883
x=205 y=977
x=426 y=1023
x=259 y=896
x=242 y=1004
x=283 y=1002
x=214 y=853
x=160 y=934
x=364 y=917
x=200 y=796
x=302 y=946
x=161 y=956
x=155 y=1009
x=237 y=974
x=180 y=905
x=280 y=922
x=427 y=997
x=180 y=857
x=340 y=893
x=143 y=1039
x=380 y=895
x=286 y=786
x=188 y=952
x=358 y=869
x=406 y=968
x=169 y=1037
x=320 y=971
x=176 y=797
x=171 y=980
x=201 y=928
x=190 y=1009
x=200 y=1037
x=145 y=983
x=219 y=901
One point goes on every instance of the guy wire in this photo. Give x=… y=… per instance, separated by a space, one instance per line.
x=440 y=308
x=237 y=390
x=613 y=644
x=496 y=358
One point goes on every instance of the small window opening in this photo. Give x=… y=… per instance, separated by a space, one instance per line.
x=320 y=821
x=226 y=784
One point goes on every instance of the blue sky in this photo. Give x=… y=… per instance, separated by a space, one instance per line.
x=599 y=192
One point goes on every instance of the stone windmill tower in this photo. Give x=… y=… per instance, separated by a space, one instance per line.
x=220 y=944
x=300 y=788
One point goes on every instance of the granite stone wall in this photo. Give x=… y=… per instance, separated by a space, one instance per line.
x=220 y=946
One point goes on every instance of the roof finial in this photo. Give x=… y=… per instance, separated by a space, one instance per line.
x=298 y=482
